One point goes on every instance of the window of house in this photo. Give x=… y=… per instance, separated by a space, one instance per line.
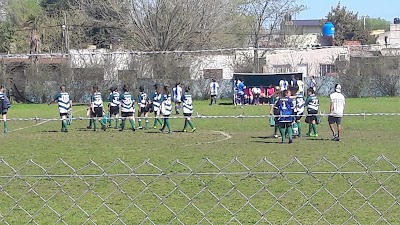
x=327 y=69
x=282 y=68
x=213 y=73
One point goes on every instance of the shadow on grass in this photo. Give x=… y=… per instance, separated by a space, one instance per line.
x=225 y=103
x=269 y=142
x=50 y=131
x=317 y=139
x=265 y=137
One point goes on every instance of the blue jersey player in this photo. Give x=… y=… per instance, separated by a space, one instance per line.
x=286 y=110
x=4 y=106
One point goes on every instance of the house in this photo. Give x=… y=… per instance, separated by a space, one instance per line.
x=302 y=27
x=391 y=38
x=311 y=62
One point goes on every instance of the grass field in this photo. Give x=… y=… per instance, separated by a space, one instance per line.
x=219 y=140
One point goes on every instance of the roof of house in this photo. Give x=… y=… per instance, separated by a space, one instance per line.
x=308 y=23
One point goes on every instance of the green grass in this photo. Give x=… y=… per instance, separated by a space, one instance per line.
x=367 y=138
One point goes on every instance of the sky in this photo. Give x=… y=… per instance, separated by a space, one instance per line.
x=318 y=9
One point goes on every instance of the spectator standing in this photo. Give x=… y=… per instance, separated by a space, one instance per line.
x=313 y=84
x=214 y=89
x=338 y=103
x=270 y=94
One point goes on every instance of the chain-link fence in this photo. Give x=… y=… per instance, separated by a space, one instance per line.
x=209 y=193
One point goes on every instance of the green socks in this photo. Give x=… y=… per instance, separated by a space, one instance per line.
x=5 y=130
x=140 y=122
x=314 y=128
x=186 y=123
x=123 y=124
x=290 y=133
x=299 y=128
x=146 y=123
x=191 y=124
x=282 y=130
x=132 y=121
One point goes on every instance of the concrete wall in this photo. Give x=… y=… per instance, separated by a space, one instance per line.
x=307 y=61
x=393 y=36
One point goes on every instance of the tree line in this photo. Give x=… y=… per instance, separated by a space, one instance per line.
x=156 y=25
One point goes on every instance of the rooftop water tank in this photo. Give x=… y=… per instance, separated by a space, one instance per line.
x=396 y=21
x=328 y=30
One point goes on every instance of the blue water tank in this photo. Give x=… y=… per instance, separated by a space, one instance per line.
x=328 y=30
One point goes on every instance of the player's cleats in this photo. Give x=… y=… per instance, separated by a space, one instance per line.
x=88 y=127
x=121 y=129
x=275 y=136
x=169 y=132
x=184 y=130
x=334 y=137
x=161 y=130
x=155 y=127
x=194 y=129
x=133 y=129
x=290 y=141
x=313 y=135
x=103 y=127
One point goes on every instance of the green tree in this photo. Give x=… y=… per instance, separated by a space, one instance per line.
x=376 y=24
x=348 y=26
x=7 y=36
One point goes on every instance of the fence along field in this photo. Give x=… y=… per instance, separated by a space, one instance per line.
x=244 y=179
x=324 y=193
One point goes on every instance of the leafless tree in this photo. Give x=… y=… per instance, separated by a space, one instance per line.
x=266 y=18
x=160 y=25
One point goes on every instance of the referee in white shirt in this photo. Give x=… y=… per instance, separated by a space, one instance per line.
x=336 y=112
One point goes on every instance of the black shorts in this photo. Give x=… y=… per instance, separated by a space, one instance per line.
x=4 y=112
x=114 y=110
x=187 y=114
x=298 y=117
x=337 y=120
x=126 y=114
x=213 y=96
x=271 y=101
x=285 y=125
x=63 y=114
x=98 y=112
x=309 y=119
x=144 y=109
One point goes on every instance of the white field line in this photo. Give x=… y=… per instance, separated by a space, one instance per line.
x=23 y=128
x=38 y=124
x=226 y=137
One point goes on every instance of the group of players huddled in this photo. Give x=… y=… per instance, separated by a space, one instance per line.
x=288 y=109
x=121 y=107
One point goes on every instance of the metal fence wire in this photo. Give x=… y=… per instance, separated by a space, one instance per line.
x=209 y=193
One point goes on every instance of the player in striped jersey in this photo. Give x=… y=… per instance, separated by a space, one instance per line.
x=127 y=108
x=114 y=103
x=64 y=106
x=299 y=109
x=187 y=100
x=143 y=102
x=96 y=105
x=312 y=104
x=156 y=98
x=166 y=109
x=4 y=106
x=177 y=90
